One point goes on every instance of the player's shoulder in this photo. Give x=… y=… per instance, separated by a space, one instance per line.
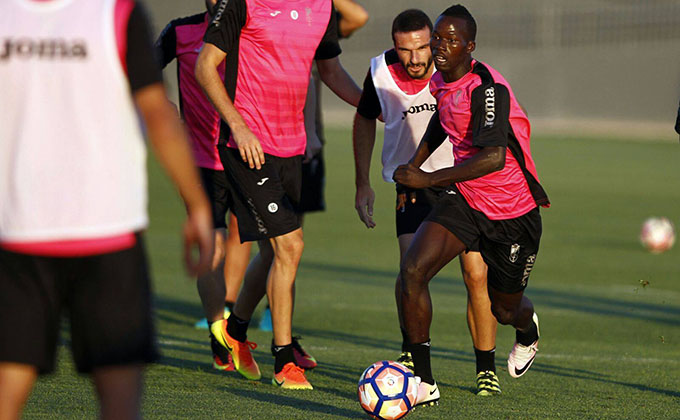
x=488 y=74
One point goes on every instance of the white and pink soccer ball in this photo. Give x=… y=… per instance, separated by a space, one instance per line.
x=387 y=390
x=657 y=234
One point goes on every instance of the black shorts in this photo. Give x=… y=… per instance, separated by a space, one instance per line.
x=412 y=214
x=313 y=184
x=107 y=299
x=265 y=200
x=509 y=247
x=218 y=192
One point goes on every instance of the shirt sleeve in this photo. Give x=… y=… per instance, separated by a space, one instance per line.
x=329 y=47
x=142 y=67
x=490 y=106
x=369 y=104
x=225 y=28
x=166 y=45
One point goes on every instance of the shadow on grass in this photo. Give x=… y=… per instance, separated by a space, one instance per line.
x=280 y=399
x=443 y=283
x=599 y=377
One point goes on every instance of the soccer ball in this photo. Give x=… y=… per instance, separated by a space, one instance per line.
x=387 y=390
x=657 y=234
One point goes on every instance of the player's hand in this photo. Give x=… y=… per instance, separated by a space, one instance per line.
x=249 y=147
x=364 y=199
x=411 y=176
x=404 y=195
x=198 y=231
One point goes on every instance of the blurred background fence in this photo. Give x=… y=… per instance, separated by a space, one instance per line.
x=598 y=67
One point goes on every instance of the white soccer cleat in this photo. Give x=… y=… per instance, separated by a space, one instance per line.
x=427 y=394
x=522 y=357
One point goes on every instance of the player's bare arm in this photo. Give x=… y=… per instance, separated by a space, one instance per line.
x=354 y=16
x=170 y=144
x=363 y=139
x=208 y=77
x=486 y=161
x=334 y=75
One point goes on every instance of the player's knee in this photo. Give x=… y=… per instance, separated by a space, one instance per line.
x=289 y=248
x=412 y=274
x=475 y=280
x=220 y=250
x=503 y=315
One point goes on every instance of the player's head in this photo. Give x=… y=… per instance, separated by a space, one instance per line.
x=411 y=31
x=210 y=6
x=453 y=40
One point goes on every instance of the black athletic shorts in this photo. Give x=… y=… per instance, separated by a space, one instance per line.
x=218 y=192
x=313 y=184
x=413 y=214
x=107 y=299
x=265 y=200
x=509 y=247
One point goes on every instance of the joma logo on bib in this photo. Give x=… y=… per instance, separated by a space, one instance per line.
x=489 y=107
x=414 y=109
x=25 y=48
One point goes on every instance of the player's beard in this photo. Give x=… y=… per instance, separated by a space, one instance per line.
x=425 y=69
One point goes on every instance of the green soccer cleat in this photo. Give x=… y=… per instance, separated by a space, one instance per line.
x=406 y=360
x=487 y=383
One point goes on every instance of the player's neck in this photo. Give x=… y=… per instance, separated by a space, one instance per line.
x=459 y=71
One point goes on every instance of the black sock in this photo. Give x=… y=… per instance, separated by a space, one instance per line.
x=486 y=360
x=421 y=361
x=229 y=305
x=527 y=337
x=237 y=327
x=282 y=356
x=404 y=340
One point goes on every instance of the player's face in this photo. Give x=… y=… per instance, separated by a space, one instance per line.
x=450 y=47
x=413 y=49
x=210 y=5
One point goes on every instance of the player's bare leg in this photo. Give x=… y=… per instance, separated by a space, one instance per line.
x=211 y=286
x=16 y=382
x=255 y=282
x=432 y=248
x=120 y=391
x=236 y=261
x=481 y=322
x=517 y=310
x=405 y=357
x=280 y=289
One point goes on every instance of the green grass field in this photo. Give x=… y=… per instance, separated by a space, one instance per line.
x=610 y=348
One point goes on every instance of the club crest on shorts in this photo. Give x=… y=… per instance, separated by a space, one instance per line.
x=514 y=252
x=273 y=207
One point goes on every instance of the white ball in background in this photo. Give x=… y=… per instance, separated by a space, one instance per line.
x=657 y=234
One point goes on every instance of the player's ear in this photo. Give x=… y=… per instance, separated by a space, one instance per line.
x=470 y=47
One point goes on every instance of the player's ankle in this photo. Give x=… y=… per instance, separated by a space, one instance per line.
x=282 y=356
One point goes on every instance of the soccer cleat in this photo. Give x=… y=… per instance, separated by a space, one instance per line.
x=202 y=324
x=522 y=357
x=302 y=358
x=239 y=351
x=291 y=377
x=221 y=357
x=266 y=320
x=487 y=383
x=428 y=395
x=406 y=360
x=221 y=365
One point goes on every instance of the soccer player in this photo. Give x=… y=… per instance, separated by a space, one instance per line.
x=269 y=47
x=73 y=194
x=397 y=86
x=182 y=39
x=491 y=196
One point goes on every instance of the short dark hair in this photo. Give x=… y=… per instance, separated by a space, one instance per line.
x=459 y=11
x=410 y=20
